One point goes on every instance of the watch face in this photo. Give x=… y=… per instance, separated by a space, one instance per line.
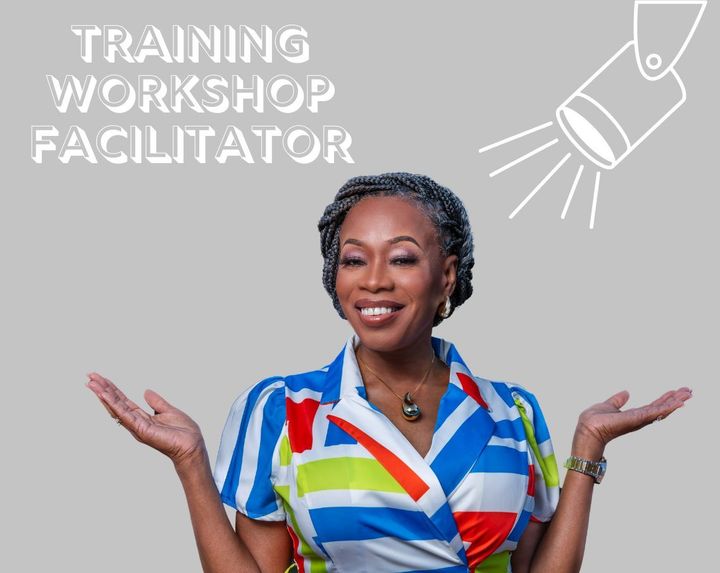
x=602 y=467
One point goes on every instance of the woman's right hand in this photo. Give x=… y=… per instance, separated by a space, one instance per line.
x=168 y=430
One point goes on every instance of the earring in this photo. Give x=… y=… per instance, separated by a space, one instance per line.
x=445 y=312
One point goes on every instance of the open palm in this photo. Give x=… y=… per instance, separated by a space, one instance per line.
x=605 y=421
x=169 y=430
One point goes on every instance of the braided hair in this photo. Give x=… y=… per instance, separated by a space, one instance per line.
x=442 y=207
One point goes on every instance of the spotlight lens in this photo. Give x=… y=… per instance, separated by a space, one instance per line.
x=588 y=136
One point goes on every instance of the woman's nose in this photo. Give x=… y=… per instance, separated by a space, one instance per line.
x=377 y=276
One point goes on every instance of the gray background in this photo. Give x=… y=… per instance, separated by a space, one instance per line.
x=198 y=280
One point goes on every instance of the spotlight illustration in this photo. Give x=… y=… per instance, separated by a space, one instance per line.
x=623 y=102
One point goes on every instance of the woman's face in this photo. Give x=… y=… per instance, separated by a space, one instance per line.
x=391 y=265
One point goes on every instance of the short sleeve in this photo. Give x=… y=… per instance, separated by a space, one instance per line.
x=248 y=457
x=546 y=487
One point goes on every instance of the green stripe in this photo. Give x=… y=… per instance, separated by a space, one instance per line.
x=285 y=452
x=548 y=465
x=345 y=473
x=283 y=491
x=496 y=563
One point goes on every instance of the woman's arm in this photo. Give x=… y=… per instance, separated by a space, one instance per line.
x=559 y=546
x=257 y=546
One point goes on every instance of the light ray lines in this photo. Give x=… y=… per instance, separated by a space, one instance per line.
x=595 y=198
x=572 y=191
x=540 y=185
x=524 y=157
x=514 y=137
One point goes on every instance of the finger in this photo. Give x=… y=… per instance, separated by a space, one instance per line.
x=618 y=400
x=654 y=413
x=116 y=393
x=157 y=402
x=683 y=394
x=662 y=398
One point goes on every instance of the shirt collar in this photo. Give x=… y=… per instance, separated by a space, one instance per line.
x=344 y=374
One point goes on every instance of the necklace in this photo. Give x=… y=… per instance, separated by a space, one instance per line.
x=410 y=410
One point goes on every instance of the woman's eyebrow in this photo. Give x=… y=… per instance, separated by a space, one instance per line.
x=392 y=241
x=403 y=238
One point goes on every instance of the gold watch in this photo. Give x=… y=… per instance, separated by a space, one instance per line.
x=594 y=469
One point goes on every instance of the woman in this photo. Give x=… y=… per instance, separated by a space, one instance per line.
x=393 y=457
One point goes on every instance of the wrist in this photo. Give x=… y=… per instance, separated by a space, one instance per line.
x=191 y=462
x=586 y=445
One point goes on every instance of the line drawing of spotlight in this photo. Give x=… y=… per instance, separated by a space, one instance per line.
x=600 y=119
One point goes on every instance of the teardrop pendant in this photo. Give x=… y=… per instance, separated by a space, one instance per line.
x=410 y=410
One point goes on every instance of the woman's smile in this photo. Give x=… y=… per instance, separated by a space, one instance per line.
x=391 y=276
x=378 y=313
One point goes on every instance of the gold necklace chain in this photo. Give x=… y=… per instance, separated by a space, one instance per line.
x=411 y=411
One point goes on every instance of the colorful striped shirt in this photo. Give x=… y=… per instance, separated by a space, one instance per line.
x=311 y=450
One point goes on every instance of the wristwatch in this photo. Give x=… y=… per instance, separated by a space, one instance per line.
x=594 y=469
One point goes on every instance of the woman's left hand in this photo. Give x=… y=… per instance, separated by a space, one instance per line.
x=605 y=421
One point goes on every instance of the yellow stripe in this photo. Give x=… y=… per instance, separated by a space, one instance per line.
x=548 y=465
x=345 y=473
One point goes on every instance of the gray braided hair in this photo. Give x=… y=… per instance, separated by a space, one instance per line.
x=442 y=206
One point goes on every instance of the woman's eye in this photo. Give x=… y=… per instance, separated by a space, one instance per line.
x=404 y=260
x=350 y=262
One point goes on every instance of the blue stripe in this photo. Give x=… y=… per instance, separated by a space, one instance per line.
x=336 y=436
x=360 y=523
x=513 y=429
x=333 y=379
x=262 y=499
x=501 y=459
x=314 y=380
x=463 y=449
x=454 y=356
x=450 y=400
x=445 y=522
x=504 y=392
x=233 y=475
x=520 y=526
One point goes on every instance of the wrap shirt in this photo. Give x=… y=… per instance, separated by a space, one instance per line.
x=310 y=449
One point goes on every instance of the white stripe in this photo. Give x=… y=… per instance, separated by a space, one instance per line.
x=298 y=396
x=545 y=448
x=450 y=426
x=248 y=468
x=359 y=497
x=490 y=491
x=508 y=443
x=336 y=451
x=229 y=437
x=389 y=554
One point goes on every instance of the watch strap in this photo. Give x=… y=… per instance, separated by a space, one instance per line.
x=594 y=469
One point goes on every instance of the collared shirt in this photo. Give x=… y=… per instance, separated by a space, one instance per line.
x=311 y=450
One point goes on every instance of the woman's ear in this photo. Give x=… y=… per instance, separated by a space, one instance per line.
x=449 y=274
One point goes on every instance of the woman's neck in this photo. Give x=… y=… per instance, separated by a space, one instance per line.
x=401 y=365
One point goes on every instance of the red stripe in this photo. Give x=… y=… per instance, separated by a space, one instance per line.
x=485 y=531
x=531 y=479
x=471 y=389
x=406 y=477
x=299 y=561
x=300 y=416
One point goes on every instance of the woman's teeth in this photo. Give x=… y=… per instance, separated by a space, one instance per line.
x=372 y=311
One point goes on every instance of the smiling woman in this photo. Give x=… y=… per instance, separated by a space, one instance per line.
x=394 y=456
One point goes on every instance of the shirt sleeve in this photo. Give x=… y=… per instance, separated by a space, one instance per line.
x=248 y=457
x=546 y=488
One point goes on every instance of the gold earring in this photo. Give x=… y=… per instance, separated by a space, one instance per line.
x=445 y=312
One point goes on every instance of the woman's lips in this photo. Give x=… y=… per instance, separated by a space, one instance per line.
x=377 y=313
